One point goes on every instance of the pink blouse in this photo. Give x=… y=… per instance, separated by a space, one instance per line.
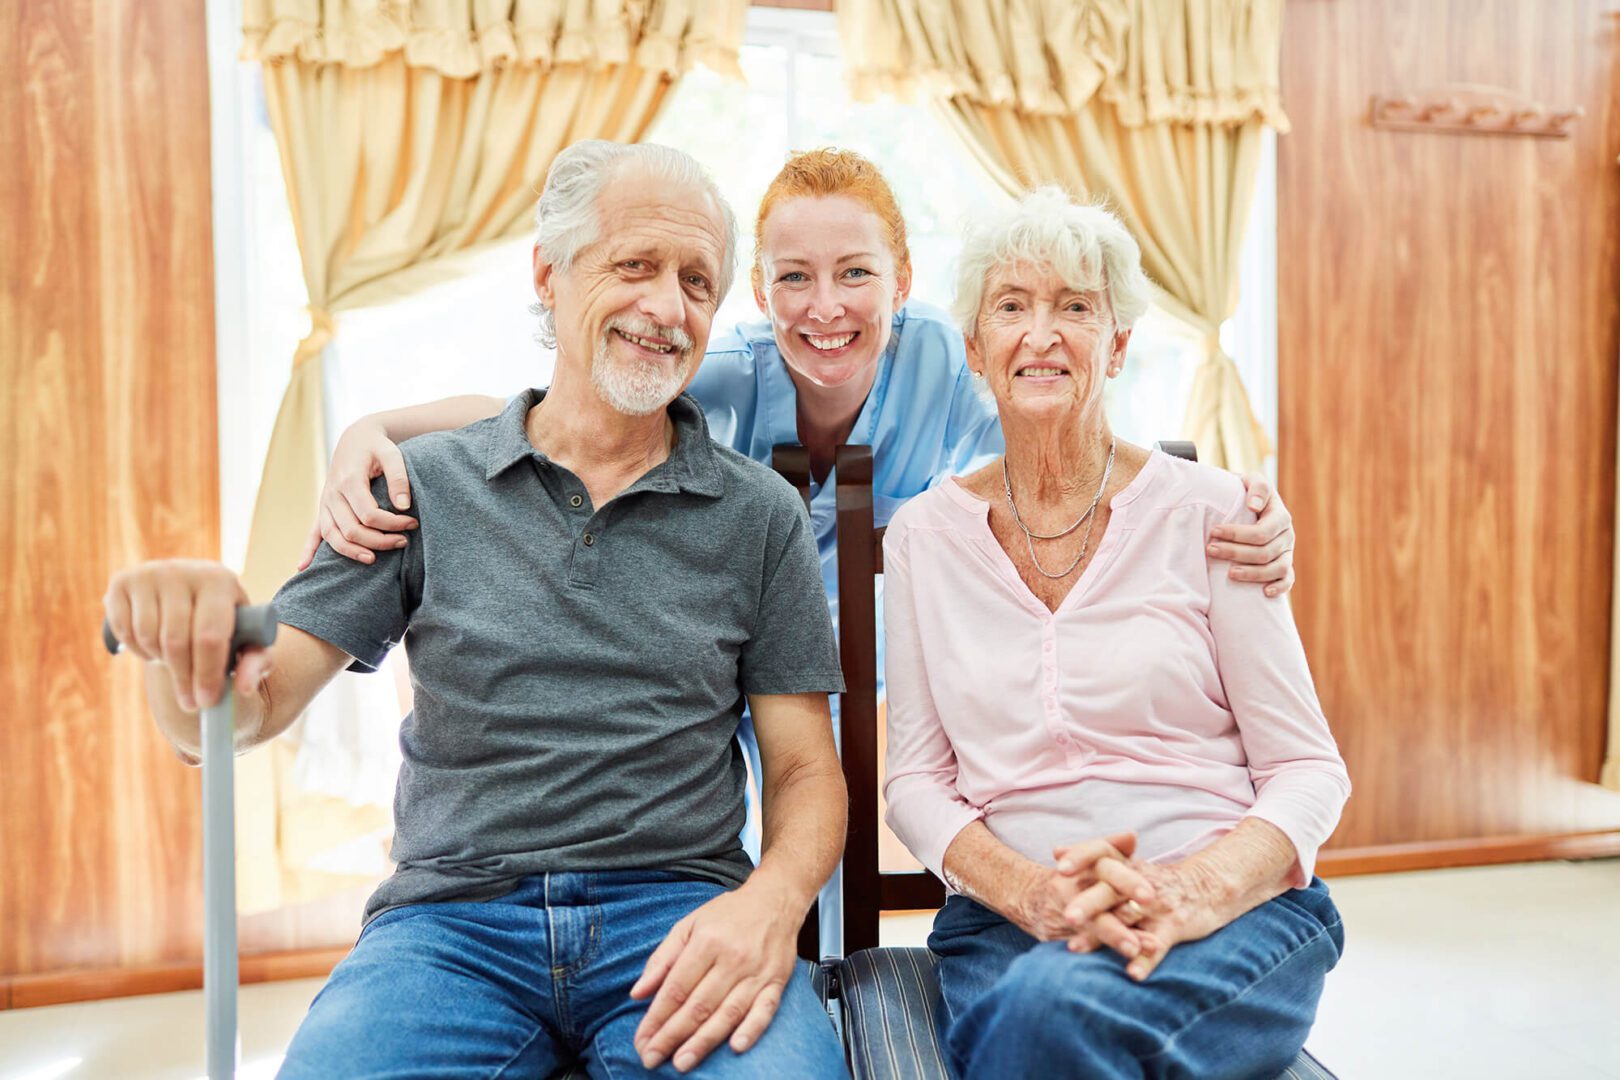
x=1160 y=697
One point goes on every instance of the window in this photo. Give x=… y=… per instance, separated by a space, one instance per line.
x=260 y=297
x=473 y=334
x=795 y=100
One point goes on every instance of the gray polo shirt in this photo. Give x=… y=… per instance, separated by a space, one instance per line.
x=579 y=671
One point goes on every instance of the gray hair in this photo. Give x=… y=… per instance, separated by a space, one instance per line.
x=567 y=220
x=1088 y=247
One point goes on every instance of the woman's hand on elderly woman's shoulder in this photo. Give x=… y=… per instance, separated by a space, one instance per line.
x=1264 y=551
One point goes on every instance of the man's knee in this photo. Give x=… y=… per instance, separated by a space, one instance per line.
x=800 y=1041
x=392 y=1008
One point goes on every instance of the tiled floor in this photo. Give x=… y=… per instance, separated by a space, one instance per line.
x=1497 y=973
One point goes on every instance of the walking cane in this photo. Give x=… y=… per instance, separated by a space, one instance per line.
x=254 y=626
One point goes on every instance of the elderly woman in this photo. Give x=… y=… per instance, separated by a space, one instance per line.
x=1112 y=755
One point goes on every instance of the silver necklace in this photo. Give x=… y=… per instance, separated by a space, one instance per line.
x=1006 y=483
x=1090 y=514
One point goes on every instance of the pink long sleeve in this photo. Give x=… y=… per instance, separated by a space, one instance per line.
x=1299 y=779
x=924 y=808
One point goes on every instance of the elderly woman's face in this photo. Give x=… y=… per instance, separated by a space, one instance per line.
x=1043 y=346
x=830 y=287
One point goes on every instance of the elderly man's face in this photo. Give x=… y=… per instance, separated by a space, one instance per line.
x=1045 y=348
x=638 y=303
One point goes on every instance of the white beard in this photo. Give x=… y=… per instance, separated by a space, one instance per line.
x=636 y=387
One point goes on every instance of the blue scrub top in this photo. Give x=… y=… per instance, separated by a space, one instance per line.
x=924 y=419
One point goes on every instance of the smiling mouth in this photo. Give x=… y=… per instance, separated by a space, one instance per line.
x=647 y=343
x=1040 y=372
x=830 y=342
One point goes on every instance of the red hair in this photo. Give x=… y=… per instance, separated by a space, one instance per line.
x=820 y=173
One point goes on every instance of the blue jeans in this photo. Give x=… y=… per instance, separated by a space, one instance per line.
x=522 y=985
x=1237 y=1004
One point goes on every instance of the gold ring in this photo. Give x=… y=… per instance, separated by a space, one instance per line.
x=1130 y=911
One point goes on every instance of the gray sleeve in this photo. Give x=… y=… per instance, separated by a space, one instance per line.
x=791 y=650
x=362 y=609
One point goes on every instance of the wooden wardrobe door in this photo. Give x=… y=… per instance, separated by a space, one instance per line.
x=1448 y=309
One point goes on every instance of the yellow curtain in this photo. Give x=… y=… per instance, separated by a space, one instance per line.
x=410 y=130
x=1154 y=105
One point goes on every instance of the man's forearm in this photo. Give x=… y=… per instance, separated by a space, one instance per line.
x=304 y=664
x=446 y=414
x=184 y=729
x=806 y=818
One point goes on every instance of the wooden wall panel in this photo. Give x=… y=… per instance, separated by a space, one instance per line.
x=107 y=453
x=1448 y=315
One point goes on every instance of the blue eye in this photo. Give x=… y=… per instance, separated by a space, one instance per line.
x=858 y=270
x=794 y=276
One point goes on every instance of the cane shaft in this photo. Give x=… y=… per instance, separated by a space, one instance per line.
x=219 y=886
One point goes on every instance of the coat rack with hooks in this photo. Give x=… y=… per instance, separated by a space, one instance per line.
x=1472 y=110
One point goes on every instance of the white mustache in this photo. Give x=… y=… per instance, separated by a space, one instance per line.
x=646 y=328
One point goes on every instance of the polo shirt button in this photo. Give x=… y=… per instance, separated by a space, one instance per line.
x=589 y=539
x=575 y=500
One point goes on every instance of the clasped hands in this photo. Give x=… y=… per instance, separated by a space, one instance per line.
x=1098 y=895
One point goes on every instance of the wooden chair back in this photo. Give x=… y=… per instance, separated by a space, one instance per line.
x=868 y=889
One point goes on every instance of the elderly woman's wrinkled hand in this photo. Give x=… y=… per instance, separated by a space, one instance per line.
x=1187 y=904
x=1109 y=893
x=1049 y=893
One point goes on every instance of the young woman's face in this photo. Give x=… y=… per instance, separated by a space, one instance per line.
x=830 y=287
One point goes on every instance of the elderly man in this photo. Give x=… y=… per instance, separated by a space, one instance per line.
x=594 y=589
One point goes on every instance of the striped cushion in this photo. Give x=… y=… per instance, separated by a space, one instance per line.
x=818 y=981
x=1306 y=1067
x=890 y=1004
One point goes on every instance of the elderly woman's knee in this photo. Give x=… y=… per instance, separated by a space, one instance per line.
x=1049 y=981
x=1052 y=1005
